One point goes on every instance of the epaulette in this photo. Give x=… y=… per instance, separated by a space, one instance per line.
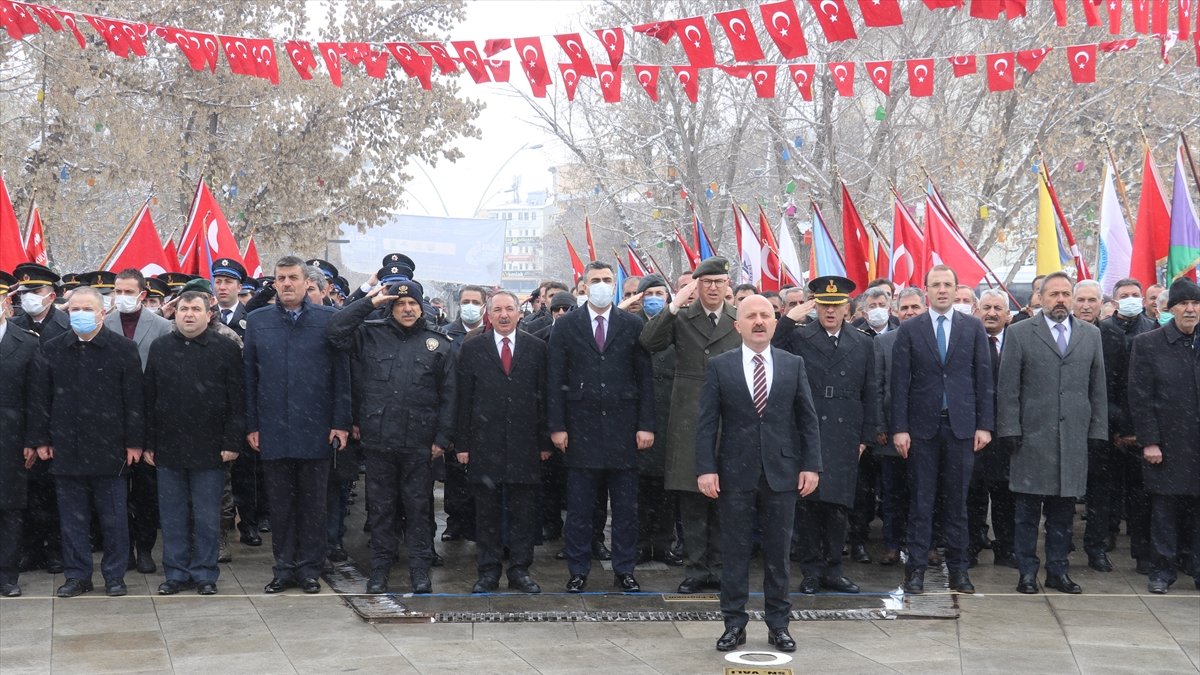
x=862 y=331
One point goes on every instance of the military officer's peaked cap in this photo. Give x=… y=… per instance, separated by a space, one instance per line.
x=831 y=290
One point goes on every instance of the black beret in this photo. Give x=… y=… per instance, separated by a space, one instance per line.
x=562 y=299
x=650 y=281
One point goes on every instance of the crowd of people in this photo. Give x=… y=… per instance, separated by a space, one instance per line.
x=714 y=424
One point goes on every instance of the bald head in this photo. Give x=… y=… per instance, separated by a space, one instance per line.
x=756 y=322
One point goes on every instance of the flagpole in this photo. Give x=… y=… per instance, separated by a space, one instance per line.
x=1124 y=197
x=821 y=218
x=1080 y=265
x=619 y=263
x=29 y=218
x=658 y=269
x=1191 y=163
x=124 y=233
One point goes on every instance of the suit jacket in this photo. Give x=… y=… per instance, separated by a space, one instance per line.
x=991 y=462
x=21 y=381
x=919 y=378
x=1053 y=404
x=502 y=417
x=600 y=398
x=696 y=341
x=150 y=327
x=882 y=346
x=738 y=445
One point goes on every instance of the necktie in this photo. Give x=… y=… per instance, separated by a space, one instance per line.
x=1062 y=339
x=833 y=340
x=713 y=317
x=995 y=346
x=295 y=314
x=225 y=314
x=505 y=356
x=941 y=338
x=600 y=333
x=760 y=385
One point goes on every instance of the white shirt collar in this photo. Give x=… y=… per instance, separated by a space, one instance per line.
x=748 y=354
x=607 y=314
x=933 y=315
x=512 y=339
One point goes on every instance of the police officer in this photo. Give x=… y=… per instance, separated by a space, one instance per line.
x=227 y=276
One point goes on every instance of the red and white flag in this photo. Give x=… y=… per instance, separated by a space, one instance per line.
x=331 y=53
x=880 y=13
x=572 y=46
x=207 y=229
x=610 y=82
x=141 y=249
x=1030 y=59
x=1081 y=59
x=1114 y=16
x=834 y=19
x=1060 y=12
x=802 y=74
x=856 y=243
x=570 y=79
x=34 y=242
x=1091 y=12
x=783 y=25
x=772 y=267
x=946 y=245
x=1141 y=16
x=200 y=49
x=17 y=20
x=122 y=37
x=881 y=75
x=843 y=77
x=696 y=41
x=171 y=256
x=253 y=263
x=1000 y=69
x=689 y=79
x=963 y=65
x=437 y=51
x=763 y=78
x=1160 y=16
x=1118 y=45
x=1186 y=9
x=414 y=64
x=613 y=40
x=472 y=60
x=742 y=38
x=56 y=18
x=12 y=252
x=920 y=77
x=659 y=30
x=533 y=61
x=647 y=76
x=908 y=248
x=253 y=57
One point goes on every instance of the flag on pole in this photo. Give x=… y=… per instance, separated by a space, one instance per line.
x=636 y=267
x=1152 y=231
x=1184 y=251
x=34 y=243
x=828 y=259
x=1051 y=249
x=576 y=263
x=1069 y=245
x=704 y=247
x=1116 y=250
x=856 y=243
x=883 y=264
x=946 y=245
x=622 y=275
x=908 y=247
x=205 y=221
x=253 y=263
x=793 y=272
x=693 y=258
x=749 y=248
x=141 y=249
x=772 y=274
x=12 y=252
x=171 y=255
x=591 y=243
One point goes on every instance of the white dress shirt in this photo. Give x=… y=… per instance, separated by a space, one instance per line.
x=1050 y=323
x=512 y=341
x=933 y=316
x=748 y=368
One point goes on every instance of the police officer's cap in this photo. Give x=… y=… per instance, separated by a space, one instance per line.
x=342 y=285
x=405 y=263
x=325 y=266
x=249 y=285
x=100 y=279
x=831 y=290
x=228 y=267
x=157 y=288
x=33 y=275
x=1182 y=290
x=390 y=274
x=714 y=266
x=7 y=282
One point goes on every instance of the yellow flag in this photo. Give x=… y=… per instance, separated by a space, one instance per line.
x=1048 y=259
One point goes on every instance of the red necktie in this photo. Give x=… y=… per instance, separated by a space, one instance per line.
x=505 y=356
x=600 y=333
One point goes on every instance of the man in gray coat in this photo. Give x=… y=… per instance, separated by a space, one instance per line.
x=1051 y=405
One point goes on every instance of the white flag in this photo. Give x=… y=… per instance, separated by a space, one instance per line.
x=750 y=250
x=1116 y=250
x=787 y=251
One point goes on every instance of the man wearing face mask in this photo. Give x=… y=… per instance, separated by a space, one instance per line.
x=1116 y=335
x=965 y=301
x=91 y=432
x=143 y=327
x=600 y=405
x=877 y=305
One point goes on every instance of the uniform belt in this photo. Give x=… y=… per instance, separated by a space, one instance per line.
x=831 y=392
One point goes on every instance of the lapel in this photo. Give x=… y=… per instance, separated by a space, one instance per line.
x=815 y=334
x=699 y=318
x=1043 y=331
x=724 y=325
x=777 y=357
x=737 y=374
x=926 y=329
x=1076 y=336
x=589 y=328
x=489 y=336
x=957 y=326
x=11 y=341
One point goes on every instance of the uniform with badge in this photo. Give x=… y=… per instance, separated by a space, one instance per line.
x=235 y=315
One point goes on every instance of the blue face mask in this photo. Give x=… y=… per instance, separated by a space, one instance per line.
x=83 y=322
x=1164 y=318
x=653 y=305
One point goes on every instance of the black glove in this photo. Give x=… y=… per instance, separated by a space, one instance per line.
x=1010 y=444
x=1097 y=446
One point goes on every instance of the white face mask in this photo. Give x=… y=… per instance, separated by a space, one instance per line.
x=108 y=302
x=33 y=304
x=1131 y=306
x=962 y=308
x=127 y=304
x=877 y=317
x=580 y=300
x=600 y=294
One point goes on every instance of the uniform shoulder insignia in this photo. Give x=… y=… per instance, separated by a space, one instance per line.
x=862 y=331
x=29 y=332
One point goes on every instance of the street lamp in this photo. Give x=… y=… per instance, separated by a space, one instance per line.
x=484 y=195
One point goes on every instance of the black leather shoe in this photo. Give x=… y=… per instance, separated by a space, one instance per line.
x=1062 y=583
x=690 y=585
x=485 y=585
x=731 y=639
x=30 y=563
x=310 y=585
x=378 y=583
x=809 y=585
x=173 y=586
x=251 y=539
x=206 y=588
x=437 y=561
x=338 y=555
x=421 y=585
x=668 y=557
x=10 y=591
x=277 y=585
x=54 y=566
x=1158 y=586
x=600 y=551
x=524 y=583
x=145 y=563
x=858 y=553
x=264 y=525
x=1100 y=562
x=73 y=587
x=626 y=583
x=1005 y=560
x=961 y=582
x=780 y=639
x=115 y=588
x=576 y=583
x=914 y=582
x=840 y=584
x=1027 y=584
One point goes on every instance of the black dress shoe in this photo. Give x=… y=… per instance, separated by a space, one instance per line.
x=437 y=561
x=30 y=563
x=277 y=585
x=10 y=591
x=206 y=588
x=378 y=583
x=576 y=583
x=731 y=639
x=600 y=551
x=73 y=587
x=890 y=557
x=264 y=525
x=310 y=585
x=1100 y=562
x=115 y=588
x=1063 y=584
x=1143 y=566
x=626 y=583
x=421 y=585
x=145 y=563
x=780 y=639
x=961 y=582
x=914 y=582
x=1005 y=560
x=173 y=586
x=1027 y=584
x=839 y=584
x=668 y=557
x=690 y=585
x=54 y=565
x=858 y=553
x=1156 y=586
x=809 y=585
x=338 y=554
x=485 y=585
x=251 y=539
x=524 y=583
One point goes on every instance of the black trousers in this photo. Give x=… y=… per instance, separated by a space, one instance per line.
x=78 y=498
x=866 y=490
x=296 y=492
x=1060 y=512
x=496 y=506
x=893 y=489
x=249 y=490
x=1137 y=507
x=458 y=500
x=42 y=538
x=656 y=515
x=10 y=545
x=982 y=492
x=400 y=487
x=820 y=535
x=553 y=497
x=1103 y=495
x=700 y=518
x=775 y=510
x=1169 y=531
x=939 y=466
x=143 y=506
x=582 y=487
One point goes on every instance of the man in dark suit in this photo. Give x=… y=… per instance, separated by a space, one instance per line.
x=757 y=444
x=501 y=440
x=943 y=412
x=600 y=402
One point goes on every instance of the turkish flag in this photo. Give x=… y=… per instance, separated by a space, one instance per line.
x=920 y=77
x=1060 y=12
x=12 y=252
x=494 y=46
x=572 y=46
x=1186 y=8
x=1015 y=8
x=1091 y=12
x=533 y=60
x=1160 y=17
x=376 y=63
x=610 y=82
x=908 y=248
x=613 y=40
x=880 y=13
x=17 y=20
x=122 y=37
x=881 y=75
x=783 y=25
x=206 y=234
x=171 y=256
x=1000 y=70
x=437 y=51
x=1141 y=16
x=742 y=38
x=856 y=243
x=141 y=249
x=499 y=69
x=1114 y=16
x=946 y=246
x=570 y=78
x=647 y=76
x=987 y=9
x=200 y=49
x=1118 y=45
x=415 y=65
x=251 y=56
x=56 y=18
x=253 y=263
x=1152 y=229
x=963 y=65
x=1030 y=59
x=802 y=74
x=1081 y=59
x=763 y=78
x=834 y=19
x=772 y=269
x=34 y=243
x=843 y=77
x=943 y=4
x=689 y=79
x=468 y=54
x=882 y=267
x=696 y=41
x=659 y=30
x=331 y=53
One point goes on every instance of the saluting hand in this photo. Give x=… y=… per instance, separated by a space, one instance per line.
x=685 y=296
x=378 y=297
x=801 y=310
x=633 y=299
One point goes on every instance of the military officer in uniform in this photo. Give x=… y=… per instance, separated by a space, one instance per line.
x=840 y=362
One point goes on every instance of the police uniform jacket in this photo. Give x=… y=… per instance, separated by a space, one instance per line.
x=403 y=379
x=21 y=378
x=1164 y=384
x=56 y=323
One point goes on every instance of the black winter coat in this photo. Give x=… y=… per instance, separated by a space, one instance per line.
x=21 y=377
x=1164 y=388
x=1116 y=338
